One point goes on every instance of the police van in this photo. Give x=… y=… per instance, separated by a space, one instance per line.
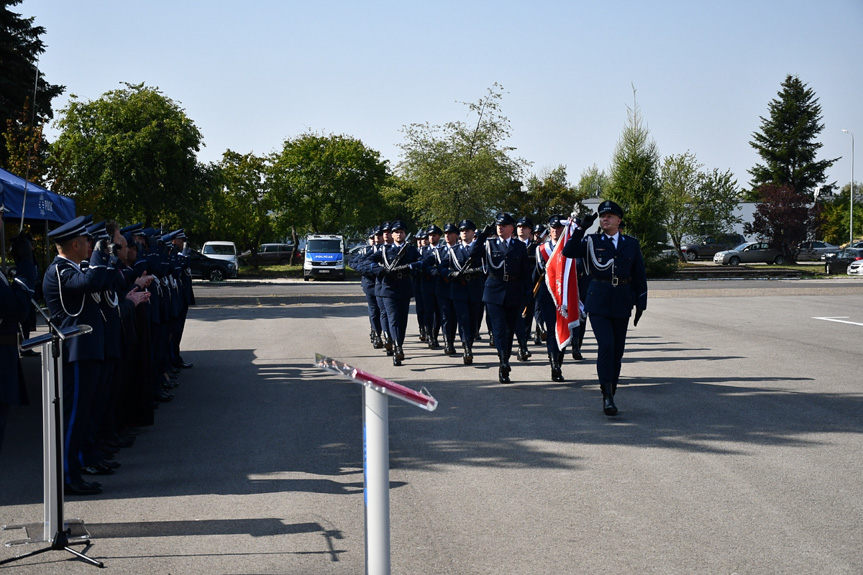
x=325 y=257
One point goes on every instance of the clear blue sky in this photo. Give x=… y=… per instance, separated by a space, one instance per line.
x=252 y=73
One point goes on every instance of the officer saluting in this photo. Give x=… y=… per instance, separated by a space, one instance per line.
x=618 y=283
x=68 y=292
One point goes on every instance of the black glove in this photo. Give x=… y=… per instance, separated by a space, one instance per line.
x=588 y=220
x=638 y=312
x=488 y=230
x=114 y=249
x=22 y=248
x=103 y=246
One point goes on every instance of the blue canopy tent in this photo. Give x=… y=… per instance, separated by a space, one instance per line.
x=41 y=204
x=38 y=205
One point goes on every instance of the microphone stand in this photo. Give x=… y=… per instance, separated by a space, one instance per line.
x=55 y=528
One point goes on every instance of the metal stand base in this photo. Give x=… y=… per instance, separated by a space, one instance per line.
x=61 y=542
x=74 y=528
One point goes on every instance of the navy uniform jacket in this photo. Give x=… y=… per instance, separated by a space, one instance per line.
x=509 y=273
x=367 y=279
x=77 y=286
x=396 y=284
x=603 y=297
x=469 y=285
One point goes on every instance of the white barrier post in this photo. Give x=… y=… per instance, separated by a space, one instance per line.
x=376 y=474
x=376 y=454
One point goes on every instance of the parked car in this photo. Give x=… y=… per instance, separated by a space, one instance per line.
x=226 y=251
x=268 y=254
x=841 y=262
x=815 y=250
x=855 y=268
x=710 y=245
x=210 y=268
x=748 y=253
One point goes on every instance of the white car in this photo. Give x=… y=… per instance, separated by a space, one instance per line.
x=855 y=268
x=223 y=251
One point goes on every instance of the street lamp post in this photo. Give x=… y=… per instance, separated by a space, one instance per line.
x=851 y=225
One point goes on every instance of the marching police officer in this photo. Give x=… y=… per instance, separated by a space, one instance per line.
x=618 y=283
x=393 y=265
x=428 y=286
x=544 y=298
x=462 y=264
x=367 y=282
x=506 y=288
x=442 y=288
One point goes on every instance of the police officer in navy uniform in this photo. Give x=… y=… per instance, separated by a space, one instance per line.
x=419 y=303
x=539 y=233
x=15 y=306
x=367 y=281
x=524 y=232
x=69 y=291
x=618 y=283
x=462 y=263
x=556 y=224
x=448 y=317
x=428 y=286
x=393 y=264
x=506 y=287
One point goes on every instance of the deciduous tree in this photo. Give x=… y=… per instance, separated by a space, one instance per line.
x=462 y=169
x=130 y=155
x=327 y=184
x=782 y=218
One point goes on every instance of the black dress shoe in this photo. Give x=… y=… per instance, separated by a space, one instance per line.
x=377 y=343
x=182 y=364
x=608 y=407
x=82 y=488
x=109 y=464
x=522 y=354
x=467 y=357
x=503 y=374
x=96 y=470
x=396 y=361
x=449 y=349
x=556 y=373
x=576 y=355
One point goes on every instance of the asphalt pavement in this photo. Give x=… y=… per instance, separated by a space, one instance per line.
x=736 y=449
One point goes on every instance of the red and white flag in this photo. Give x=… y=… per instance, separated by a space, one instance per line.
x=561 y=279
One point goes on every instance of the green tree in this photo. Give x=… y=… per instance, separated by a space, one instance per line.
x=26 y=148
x=327 y=184
x=787 y=141
x=833 y=221
x=240 y=209
x=592 y=183
x=547 y=193
x=129 y=155
x=697 y=202
x=635 y=184
x=20 y=47
x=462 y=169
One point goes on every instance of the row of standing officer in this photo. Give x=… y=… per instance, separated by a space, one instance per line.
x=132 y=286
x=500 y=276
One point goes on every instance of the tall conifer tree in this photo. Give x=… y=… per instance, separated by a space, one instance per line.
x=787 y=141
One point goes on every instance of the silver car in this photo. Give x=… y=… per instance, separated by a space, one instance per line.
x=749 y=253
x=815 y=250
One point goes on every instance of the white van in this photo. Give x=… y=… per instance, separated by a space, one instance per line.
x=325 y=257
x=223 y=251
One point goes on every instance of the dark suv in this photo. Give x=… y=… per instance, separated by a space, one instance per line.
x=711 y=244
x=268 y=254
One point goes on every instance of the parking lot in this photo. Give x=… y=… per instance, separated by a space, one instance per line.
x=736 y=449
